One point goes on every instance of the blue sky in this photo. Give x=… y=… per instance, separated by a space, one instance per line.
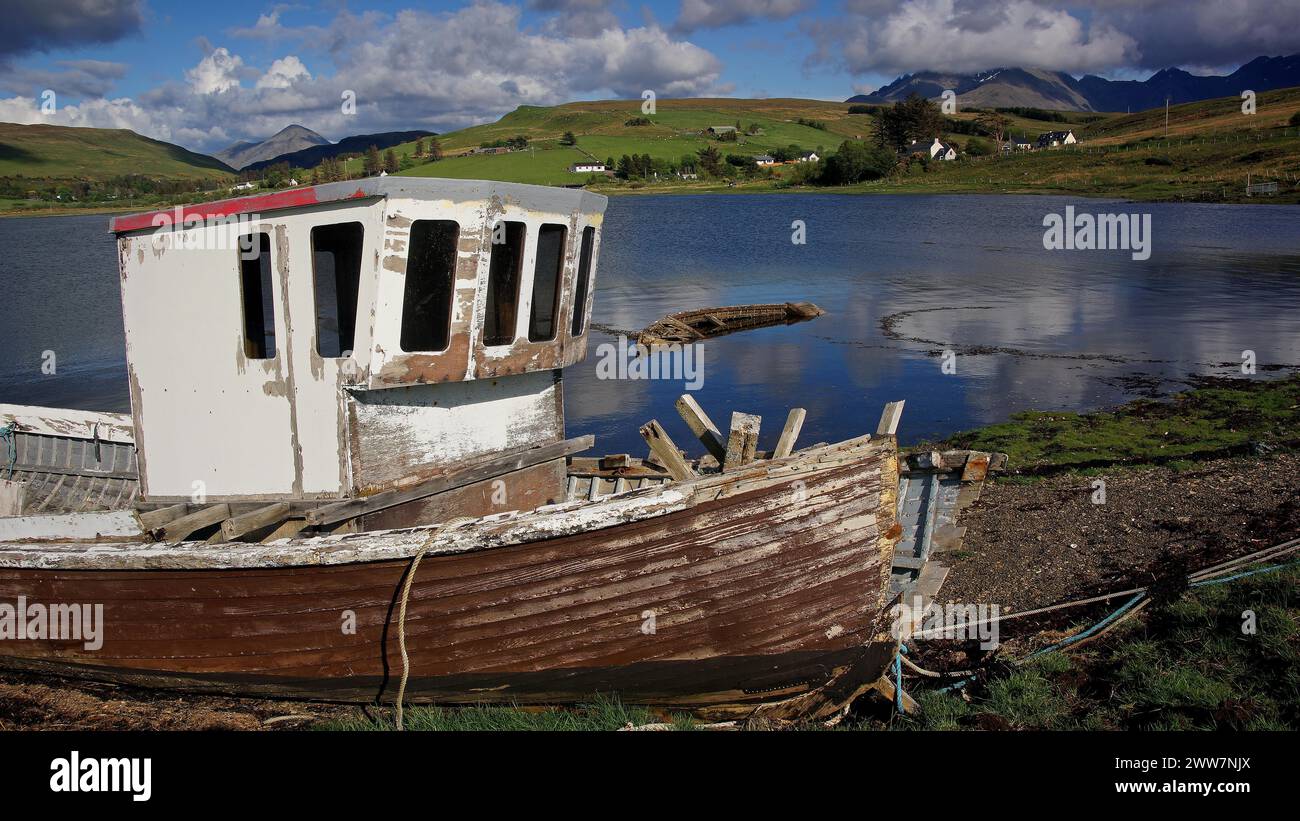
x=204 y=75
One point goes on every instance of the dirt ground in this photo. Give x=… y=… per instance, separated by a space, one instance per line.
x=30 y=702
x=1031 y=545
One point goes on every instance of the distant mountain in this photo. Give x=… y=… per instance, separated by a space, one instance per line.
x=311 y=157
x=1008 y=87
x=68 y=152
x=290 y=138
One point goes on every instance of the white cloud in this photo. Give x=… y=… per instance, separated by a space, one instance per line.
x=215 y=73
x=960 y=36
x=415 y=69
x=283 y=73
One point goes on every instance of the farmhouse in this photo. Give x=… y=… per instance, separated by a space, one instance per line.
x=937 y=150
x=587 y=167
x=807 y=156
x=762 y=160
x=1054 y=138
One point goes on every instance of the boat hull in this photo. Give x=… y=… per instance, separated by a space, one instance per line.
x=765 y=589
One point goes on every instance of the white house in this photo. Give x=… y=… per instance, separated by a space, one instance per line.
x=762 y=160
x=1054 y=138
x=587 y=167
x=937 y=150
x=807 y=156
x=244 y=186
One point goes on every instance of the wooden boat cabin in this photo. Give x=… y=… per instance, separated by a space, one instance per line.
x=330 y=342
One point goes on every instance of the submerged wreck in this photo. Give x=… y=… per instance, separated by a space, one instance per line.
x=345 y=476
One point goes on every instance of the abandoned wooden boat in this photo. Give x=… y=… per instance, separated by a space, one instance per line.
x=704 y=323
x=345 y=474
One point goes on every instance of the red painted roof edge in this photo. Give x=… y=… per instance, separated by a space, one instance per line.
x=224 y=208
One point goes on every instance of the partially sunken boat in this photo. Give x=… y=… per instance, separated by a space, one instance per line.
x=345 y=474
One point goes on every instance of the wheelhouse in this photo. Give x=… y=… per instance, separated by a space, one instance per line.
x=332 y=341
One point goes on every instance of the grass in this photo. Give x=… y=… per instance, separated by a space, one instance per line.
x=602 y=714
x=1206 y=421
x=1210 y=149
x=1187 y=665
x=61 y=152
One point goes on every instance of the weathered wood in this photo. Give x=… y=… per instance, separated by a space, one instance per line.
x=742 y=440
x=889 y=419
x=790 y=433
x=237 y=526
x=179 y=529
x=286 y=530
x=13 y=497
x=702 y=426
x=538 y=607
x=665 y=451
x=153 y=519
x=885 y=686
x=482 y=471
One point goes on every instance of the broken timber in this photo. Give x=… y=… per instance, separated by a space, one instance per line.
x=661 y=445
x=488 y=469
x=742 y=440
x=703 y=323
x=793 y=424
x=702 y=426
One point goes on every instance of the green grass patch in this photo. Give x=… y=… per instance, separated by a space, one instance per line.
x=1225 y=657
x=1205 y=421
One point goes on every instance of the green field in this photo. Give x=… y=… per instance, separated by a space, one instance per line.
x=60 y=152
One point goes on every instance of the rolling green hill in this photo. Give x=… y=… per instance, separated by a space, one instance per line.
x=65 y=153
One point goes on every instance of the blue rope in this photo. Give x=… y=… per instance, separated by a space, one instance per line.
x=898 y=677
x=11 y=446
x=1268 y=569
x=1099 y=625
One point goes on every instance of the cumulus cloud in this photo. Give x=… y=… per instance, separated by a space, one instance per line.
x=283 y=73
x=1114 y=37
x=440 y=71
x=43 y=25
x=216 y=72
x=965 y=36
x=704 y=14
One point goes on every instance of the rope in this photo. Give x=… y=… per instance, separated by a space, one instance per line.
x=11 y=447
x=401 y=622
x=898 y=678
x=1204 y=578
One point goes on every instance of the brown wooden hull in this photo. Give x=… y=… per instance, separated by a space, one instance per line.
x=765 y=587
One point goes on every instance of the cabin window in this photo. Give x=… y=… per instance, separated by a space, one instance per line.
x=430 y=277
x=503 y=283
x=584 y=281
x=256 y=293
x=546 y=282
x=336 y=276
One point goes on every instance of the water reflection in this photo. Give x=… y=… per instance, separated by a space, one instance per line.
x=971 y=270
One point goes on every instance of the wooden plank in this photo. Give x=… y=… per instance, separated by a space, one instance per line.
x=179 y=529
x=665 y=451
x=702 y=426
x=154 y=519
x=889 y=419
x=742 y=440
x=287 y=530
x=793 y=424
x=237 y=526
x=487 y=469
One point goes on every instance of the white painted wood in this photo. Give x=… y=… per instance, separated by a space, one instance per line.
x=13 y=495
x=70 y=526
x=76 y=424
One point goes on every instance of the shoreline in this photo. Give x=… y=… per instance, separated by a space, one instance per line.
x=767 y=188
